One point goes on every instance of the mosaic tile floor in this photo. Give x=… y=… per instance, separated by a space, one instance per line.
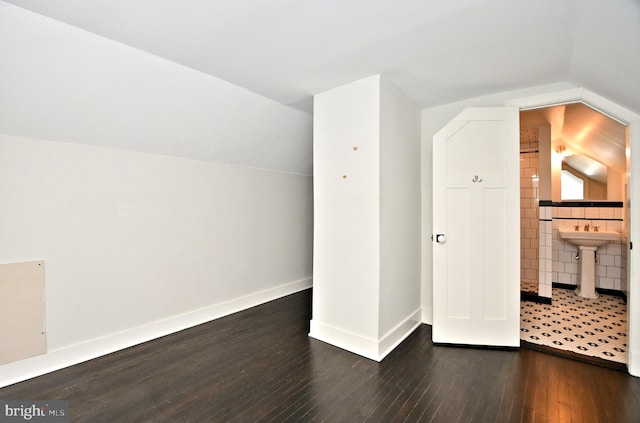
x=528 y=286
x=595 y=328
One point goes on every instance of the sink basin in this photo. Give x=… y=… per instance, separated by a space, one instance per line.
x=590 y=238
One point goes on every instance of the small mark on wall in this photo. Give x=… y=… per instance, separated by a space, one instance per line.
x=344 y=176
x=355 y=148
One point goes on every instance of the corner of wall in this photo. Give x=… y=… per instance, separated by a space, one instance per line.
x=369 y=348
x=427 y=314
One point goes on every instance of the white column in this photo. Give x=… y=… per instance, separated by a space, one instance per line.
x=366 y=282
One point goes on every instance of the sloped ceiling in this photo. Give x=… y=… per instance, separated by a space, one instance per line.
x=437 y=51
x=62 y=83
x=585 y=135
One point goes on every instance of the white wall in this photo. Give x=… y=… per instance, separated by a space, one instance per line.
x=132 y=239
x=138 y=242
x=346 y=253
x=399 y=209
x=367 y=225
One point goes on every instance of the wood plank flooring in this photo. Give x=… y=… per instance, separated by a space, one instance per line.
x=260 y=365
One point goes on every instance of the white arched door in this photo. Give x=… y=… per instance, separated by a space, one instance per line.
x=476 y=224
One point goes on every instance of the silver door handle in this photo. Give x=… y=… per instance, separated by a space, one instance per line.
x=440 y=238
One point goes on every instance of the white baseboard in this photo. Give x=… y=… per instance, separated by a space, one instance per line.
x=357 y=344
x=367 y=347
x=395 y=336
x=55 y=360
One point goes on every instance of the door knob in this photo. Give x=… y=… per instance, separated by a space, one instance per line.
x=440 y=238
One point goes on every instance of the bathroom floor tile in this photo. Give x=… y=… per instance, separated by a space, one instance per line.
x=529 y=286
x=595 y=328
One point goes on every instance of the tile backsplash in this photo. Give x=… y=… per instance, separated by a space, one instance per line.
x=611 y=258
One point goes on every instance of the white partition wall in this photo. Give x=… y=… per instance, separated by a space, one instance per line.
x=366 y=217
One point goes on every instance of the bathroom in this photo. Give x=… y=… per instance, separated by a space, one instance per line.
x=557 y=150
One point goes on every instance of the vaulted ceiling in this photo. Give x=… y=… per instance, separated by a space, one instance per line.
x=437 y=51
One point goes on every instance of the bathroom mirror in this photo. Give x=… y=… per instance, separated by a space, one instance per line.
x=584 y=178
x=586 y=146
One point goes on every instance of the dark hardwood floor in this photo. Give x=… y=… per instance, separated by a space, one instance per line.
x=260 y=365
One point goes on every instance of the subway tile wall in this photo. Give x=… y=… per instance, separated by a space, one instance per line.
x=545 y=230
x=611 y=262
x=529 y=214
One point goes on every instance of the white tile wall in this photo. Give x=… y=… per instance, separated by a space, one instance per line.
x=622 y=263
x=529 y=242
x=545 y=262
x=611 y=258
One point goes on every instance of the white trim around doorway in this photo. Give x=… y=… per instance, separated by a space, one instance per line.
x=632 y=120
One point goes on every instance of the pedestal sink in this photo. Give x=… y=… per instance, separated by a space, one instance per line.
x=588 y=243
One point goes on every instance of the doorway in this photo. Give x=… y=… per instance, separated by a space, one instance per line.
x=632 y=215
x=631 y=121
x=580 y=143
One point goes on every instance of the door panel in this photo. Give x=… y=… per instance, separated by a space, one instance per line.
x=458 y=290
x=494 y=264
x=476 y=207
